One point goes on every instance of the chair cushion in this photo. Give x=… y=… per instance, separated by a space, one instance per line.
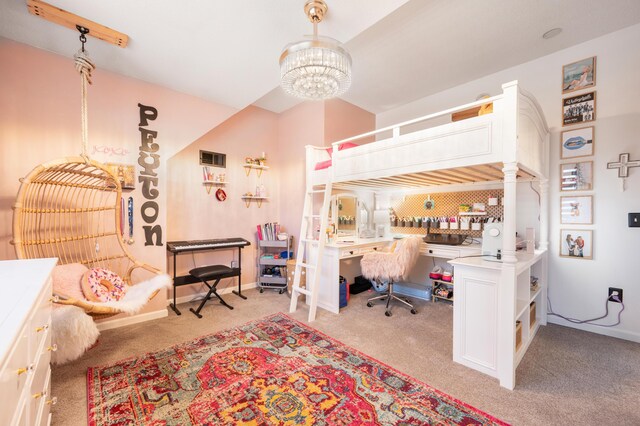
x=392 y=266
x=212 y=271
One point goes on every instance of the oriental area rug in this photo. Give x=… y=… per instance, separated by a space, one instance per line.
x=274 y=371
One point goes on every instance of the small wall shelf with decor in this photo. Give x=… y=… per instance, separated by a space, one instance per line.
x=258 y=168
x=208 y=184
x=260 y=193
x=249 y=198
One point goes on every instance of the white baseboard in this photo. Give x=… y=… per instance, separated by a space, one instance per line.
x=606 y=331
x=133 y=319
x=199 y=296
x=148 y=316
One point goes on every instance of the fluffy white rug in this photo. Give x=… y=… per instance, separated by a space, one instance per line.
x=138 y=295
x=72 y=331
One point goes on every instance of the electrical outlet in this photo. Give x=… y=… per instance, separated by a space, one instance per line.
x=234 y=263
x=634 y=220
x=615 y=297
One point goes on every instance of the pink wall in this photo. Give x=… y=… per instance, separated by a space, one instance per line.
x=40 y=121
x=317 y=124
x=343 y=120
x=297 y=127
x=194 y=215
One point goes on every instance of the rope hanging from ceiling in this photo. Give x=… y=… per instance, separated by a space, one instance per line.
x=70 y=209
x=84 y=65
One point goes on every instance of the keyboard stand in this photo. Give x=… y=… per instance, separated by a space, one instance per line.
x=190 y=279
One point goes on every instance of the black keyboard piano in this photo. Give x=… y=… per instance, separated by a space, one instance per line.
x=178 y=247
x=181 y=246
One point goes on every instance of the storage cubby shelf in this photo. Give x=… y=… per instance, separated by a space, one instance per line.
x=522 y=349
x=438 y=283
x=522 y=306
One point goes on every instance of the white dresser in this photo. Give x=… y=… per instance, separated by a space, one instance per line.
x=25 y=342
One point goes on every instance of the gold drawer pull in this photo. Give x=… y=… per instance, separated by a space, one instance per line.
x=25 y=369
x=52 y=401
x=53 y=347
x=54 y=299
x=39 y=394
x=43 y=328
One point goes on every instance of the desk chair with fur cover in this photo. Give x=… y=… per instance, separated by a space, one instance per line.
x=391 y=267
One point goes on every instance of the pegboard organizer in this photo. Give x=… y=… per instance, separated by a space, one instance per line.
x=445 y=204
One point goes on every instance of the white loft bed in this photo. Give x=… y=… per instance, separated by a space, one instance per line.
x=510 y=144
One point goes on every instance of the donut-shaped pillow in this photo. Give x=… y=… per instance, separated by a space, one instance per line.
x=102 y=285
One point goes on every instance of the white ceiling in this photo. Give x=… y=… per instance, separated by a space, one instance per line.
x=227 y=51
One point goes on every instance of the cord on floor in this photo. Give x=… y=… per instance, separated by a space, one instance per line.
x=588 y=321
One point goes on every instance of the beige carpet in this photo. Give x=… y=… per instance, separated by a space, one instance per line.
x=566 y=377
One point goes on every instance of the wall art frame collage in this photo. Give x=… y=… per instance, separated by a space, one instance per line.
x=577 y=150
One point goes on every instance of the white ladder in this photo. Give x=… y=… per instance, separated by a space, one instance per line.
x=307 y=238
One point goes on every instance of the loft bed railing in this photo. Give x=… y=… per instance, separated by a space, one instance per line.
x=395 y=128
x=473 y=150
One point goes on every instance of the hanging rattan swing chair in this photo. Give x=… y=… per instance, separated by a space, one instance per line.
x=70 y=209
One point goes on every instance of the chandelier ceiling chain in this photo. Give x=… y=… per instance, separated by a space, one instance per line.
x=315 y=69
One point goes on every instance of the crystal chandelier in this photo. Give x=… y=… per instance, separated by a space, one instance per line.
x=318 y=68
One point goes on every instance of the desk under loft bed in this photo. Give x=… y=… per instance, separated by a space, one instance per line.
x=507 y=146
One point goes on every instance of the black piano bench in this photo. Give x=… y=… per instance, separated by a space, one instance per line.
x=212 y=272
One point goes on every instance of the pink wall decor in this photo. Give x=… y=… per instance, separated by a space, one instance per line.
x=109 y=150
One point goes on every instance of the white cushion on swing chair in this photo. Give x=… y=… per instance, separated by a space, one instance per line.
x=137 y=295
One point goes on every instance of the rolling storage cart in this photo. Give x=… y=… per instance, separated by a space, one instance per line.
x=272 y=268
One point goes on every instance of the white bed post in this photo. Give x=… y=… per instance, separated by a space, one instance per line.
x=544 y=198
x=507 y=287
x=507 y=296
x=510 y=169
x=509 y=225
x=544 y=214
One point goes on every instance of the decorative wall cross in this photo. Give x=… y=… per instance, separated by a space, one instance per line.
x=623 y=166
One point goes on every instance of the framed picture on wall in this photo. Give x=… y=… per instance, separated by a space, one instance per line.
x=576 y=176
x=579 y=75
x=576 y=143
x=576 y=243
x=576 y=210
x=579 y=109
x=125 y=173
